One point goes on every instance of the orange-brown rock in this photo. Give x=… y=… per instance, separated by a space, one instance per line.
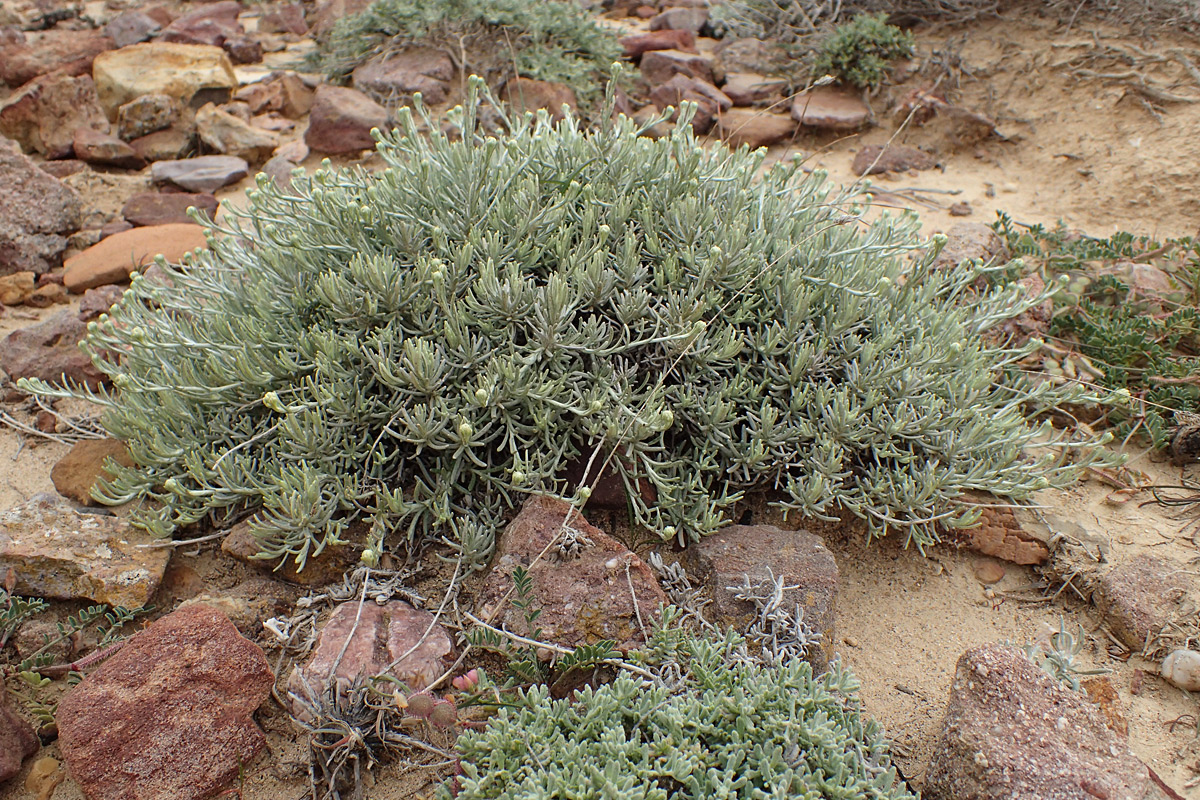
x=114 y=258
x=1002 y=535
x=77 y=472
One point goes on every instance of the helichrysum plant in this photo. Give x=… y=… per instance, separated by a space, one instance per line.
x=726 y=726
x=422 y=347
x=860 y=51
x=551 y=40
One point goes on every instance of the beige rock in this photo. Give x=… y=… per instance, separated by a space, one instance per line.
x=754 y=128
x=176 y=70
x=59 y=552
x=229 y=135
x=112 y=259
x=525 y=94
x=830 y=109
x=1182 y=668
x=16 y=288
x=44 y=114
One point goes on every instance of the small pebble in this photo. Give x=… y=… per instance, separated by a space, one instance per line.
x=988 y=572
x=961 y=210
x=850 y=641
x=1182 y=668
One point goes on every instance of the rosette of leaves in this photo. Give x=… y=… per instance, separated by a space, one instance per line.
x=422 y=347
x=551 y=40
x=726 y=727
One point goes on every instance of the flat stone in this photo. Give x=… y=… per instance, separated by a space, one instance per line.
x=165 y=208
x=64 y=168
x=831 y=109
x=688 y=19
x=165 y=145
x=381 y=635
x=37 y=212
x=749 y=89
x=114 y=258
x=77 y=472
x=60 y=552
x=321 y=569
x=146 y=114
x=989 y=572
x=44 y=114
x=201 y=174
x=394 y=77
x=342 y=119
x=1139 y=598
x=593 y=586
x=168 y=715
x=230 y=135
x=50 y=351
x=659 y=66
x=527 y=95
x=180 y=71
x=96 y=147
x=1011 y=731
x=131 y=27
x=16 y=288
x=639 y=44
x=214 y=24
x=754 y=129
x=726 y=558
x=876 y=159
x=1004 y=532
x=61 y=51
x=970 y=241
x=17 y=739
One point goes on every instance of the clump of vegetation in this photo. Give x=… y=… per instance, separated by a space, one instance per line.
x=422 y=347
x=714 y=724
x=859 y=52
x=551 y=40
x=1057 y=656
x=1128 y=320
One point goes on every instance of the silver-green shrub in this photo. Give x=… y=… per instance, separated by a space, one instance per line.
x=422 y=347
x=726 y=727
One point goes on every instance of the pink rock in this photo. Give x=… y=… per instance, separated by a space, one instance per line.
x=755 y=129
x=1143 y=596
x=427 y=70
x=50 y=351
x=44 y=114
x=169 y=714
x=164 y=208
x=98 y=301
x=830 y=108
x=659 y=66
x=96 y=147
x=37 y=211
x=748 y=89
x=342 y=119
x=114 y=258
x=875 y=159
x=166 y=145
x=215 y=24
x=1011 y=731
x=63 y=168
x=131 y=27
x=709 y=100
x=586 y=592
x=284 y=18
x=328 y=12
x=526 y=94
x=283 y=92
x=381 y=636
x=689 y=19
x=200 y=174
x=63 y=51
x=17 y=740
x=640 y=43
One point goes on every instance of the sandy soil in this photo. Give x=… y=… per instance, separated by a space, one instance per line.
x=1086 y=151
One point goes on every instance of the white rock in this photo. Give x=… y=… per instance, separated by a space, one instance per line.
x=1182 y=668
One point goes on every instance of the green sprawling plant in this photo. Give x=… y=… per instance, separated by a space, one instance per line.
x=551 y=40
x=860 y=51
x=1144 y=341
x=725 y=727
x=422 y=347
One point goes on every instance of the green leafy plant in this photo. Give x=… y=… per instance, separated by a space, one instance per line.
x=423 y=347
x=1057 y=658
x=725 y=726
x=551 y=40
x=859 y=52
x=1144 y=342
x=14 y=611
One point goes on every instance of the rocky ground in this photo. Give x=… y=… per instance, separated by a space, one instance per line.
x=118 y=116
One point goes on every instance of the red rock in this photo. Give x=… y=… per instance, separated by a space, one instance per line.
x=214 y=24
x=526 y=94
x=283 y=92
x=328 y=12
x=709 y=100
x=114 y=258
x=284 y=18
x=37 y=212
x=76 y=473
x=1011 y=731
x=62 y=51
x=747 y=89
x=689 y=19
x=379 y=636
x=223 y=132
x=831 y=109
x=98 y=301
x=641 y=43
x=95 y=147
x=44 y=114
x=164 y=145
x=168 y=715
x=875 y=159
x=592 y=585
x=755 y=129
x=320 y=569
x=50 y=351
x=659 y=66
x=427 y=70
x=800 y=558
x=342 y=119
x=969 y=241
x=644 y=12
x=17 y=739
x=164 y=208
x=1143 y=596
x=61 y=169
